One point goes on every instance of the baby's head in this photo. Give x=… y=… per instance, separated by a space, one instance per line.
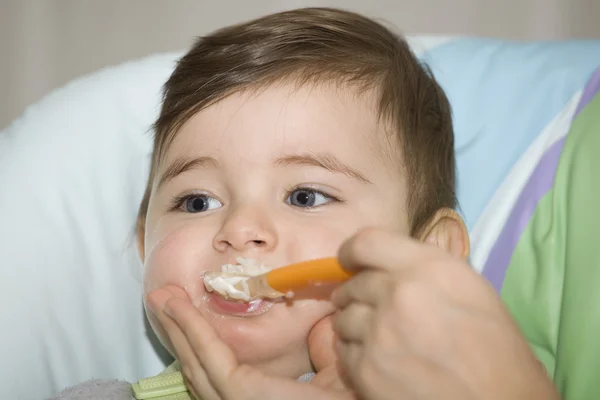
x=277 y=140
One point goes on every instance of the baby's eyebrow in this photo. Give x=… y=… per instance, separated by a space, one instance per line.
x=323 y=160
x=183 y=164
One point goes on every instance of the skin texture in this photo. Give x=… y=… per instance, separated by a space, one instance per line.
x=250 y=211
x=414 y=323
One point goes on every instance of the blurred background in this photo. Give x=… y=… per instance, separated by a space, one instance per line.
x=46 y=43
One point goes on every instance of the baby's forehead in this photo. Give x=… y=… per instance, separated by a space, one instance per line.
x=281 y=117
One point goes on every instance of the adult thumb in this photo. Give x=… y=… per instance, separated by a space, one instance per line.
x=321 y=344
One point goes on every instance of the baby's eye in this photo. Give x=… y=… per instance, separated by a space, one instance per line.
x=308 y=198
x=198 y=203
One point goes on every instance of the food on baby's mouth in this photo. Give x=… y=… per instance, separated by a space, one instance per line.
x=232 y=281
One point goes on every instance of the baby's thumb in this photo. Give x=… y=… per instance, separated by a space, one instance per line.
x=321 y=344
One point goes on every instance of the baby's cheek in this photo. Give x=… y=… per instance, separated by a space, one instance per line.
x=325 y=238
x=175 y=258
x=161 y=268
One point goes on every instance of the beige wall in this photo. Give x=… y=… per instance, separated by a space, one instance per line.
x=45 y=43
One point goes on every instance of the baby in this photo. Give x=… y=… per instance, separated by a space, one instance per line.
x=277 y=140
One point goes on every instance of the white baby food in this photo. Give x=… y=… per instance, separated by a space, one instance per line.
x=231 y=283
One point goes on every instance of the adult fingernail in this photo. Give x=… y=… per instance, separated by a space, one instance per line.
x=150 y=304
x=168 y=310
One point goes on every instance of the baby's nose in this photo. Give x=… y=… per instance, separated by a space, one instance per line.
x=247 y=228
x=256 y=243
x=243 y=241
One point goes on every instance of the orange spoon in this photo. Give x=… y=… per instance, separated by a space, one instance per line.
x=281 y=281
x=297 y=276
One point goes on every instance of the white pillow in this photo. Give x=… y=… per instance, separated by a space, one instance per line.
x=72 y=173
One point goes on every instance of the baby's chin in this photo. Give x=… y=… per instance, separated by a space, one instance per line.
x=274 y=341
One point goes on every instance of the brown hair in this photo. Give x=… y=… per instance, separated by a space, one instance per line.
x=314 y=45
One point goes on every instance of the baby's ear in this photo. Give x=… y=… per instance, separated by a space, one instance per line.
x=447 y=231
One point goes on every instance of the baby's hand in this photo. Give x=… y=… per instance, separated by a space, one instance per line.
x=210 y=367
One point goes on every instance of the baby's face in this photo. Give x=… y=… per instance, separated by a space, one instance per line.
x=281 y=176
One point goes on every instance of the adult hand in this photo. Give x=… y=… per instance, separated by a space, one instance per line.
x=212 y=372
x=418 y=323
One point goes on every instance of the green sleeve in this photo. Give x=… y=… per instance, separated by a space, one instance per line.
x=577 y=371
x=552 y=285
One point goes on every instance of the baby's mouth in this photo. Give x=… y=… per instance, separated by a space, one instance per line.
x=238 y=308
x=223 y=296
x=232 y=282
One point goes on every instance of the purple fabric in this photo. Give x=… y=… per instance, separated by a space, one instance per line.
x=591 y=89
x=539 y=183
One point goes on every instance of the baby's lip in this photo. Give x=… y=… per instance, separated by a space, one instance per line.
x=237 y=308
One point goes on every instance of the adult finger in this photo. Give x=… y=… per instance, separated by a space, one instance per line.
x=215 y=357
x=276 y=388
x=230 y=380
x=350 y=355
x=321 y=344
x=353 y=323
x=382 y=249
x=157 y=300
x=191 y=367
x=369 y=287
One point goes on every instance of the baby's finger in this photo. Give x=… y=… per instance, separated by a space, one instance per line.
x=353 y=323
x=369 y=287
x=215 y=357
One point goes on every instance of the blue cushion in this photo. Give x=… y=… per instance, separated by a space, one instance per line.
x=503 y=94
